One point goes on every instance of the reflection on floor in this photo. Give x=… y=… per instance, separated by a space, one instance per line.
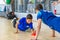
x=7 y=32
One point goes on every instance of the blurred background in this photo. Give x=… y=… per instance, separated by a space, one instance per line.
x=28 y=6
x=21 y=8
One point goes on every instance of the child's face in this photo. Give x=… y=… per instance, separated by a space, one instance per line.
x=28 y=21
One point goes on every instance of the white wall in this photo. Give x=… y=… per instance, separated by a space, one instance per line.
x=20 y=15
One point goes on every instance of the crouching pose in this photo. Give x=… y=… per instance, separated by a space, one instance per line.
x=25 y=23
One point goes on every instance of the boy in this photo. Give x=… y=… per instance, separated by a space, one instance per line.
x=25 y=23
x=11 y=15
x=48 y=18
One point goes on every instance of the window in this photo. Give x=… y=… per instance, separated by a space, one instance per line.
x=24 y=6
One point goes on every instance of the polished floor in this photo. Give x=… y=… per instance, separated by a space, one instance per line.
x=7 y=32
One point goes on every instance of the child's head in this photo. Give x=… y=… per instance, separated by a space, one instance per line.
x=11 y=13
x=39 y=7
x=29 y=18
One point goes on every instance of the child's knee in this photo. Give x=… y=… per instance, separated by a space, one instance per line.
x=14 y=22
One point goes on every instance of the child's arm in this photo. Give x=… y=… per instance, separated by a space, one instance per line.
x=17 y=27
x=38 y=28
x=53 y=33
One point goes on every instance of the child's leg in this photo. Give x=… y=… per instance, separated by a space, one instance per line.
x=53 y=33
x=16 y=25
x=14 y=22
x=16 y=28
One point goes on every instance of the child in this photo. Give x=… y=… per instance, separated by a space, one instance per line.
x=25 y=23
x=11 y=15
x=48 y=18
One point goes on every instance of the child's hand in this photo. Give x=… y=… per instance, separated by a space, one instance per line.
x=53 y=36
x=34 y=33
